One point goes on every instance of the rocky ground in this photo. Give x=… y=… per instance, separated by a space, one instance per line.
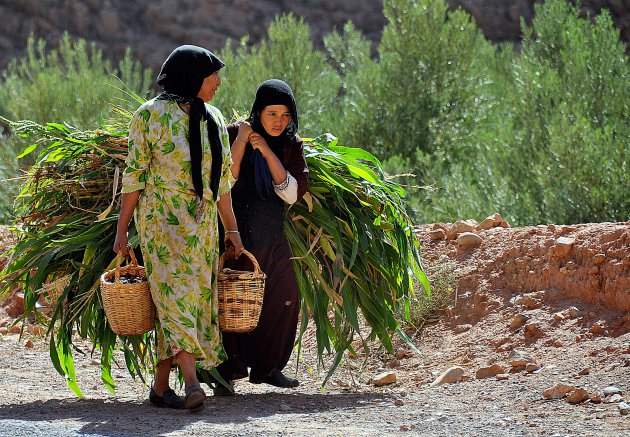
x=533 y=339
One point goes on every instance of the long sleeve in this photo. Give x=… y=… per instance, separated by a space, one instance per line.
x=139 y=154
x=295 y=164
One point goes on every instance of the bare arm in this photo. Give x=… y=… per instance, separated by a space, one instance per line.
x=129 y=202
x=233 y=244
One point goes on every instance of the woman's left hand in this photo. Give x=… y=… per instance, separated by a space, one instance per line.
x=233 y=245
x=259 y=143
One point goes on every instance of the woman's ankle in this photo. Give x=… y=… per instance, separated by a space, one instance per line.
x=159 y=389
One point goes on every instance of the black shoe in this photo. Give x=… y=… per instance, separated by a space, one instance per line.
x=219 y=389
x=169 y=399
x=194 y=398
x=276 y=378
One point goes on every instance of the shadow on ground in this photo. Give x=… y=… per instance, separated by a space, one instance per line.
x=111 y=417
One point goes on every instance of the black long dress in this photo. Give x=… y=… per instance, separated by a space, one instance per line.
x=260 y=222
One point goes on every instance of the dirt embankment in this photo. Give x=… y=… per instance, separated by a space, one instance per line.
x=589 y=263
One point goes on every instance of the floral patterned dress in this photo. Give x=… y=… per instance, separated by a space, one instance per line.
x=178 y=232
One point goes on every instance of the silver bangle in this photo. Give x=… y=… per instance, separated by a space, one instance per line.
x=231 y=232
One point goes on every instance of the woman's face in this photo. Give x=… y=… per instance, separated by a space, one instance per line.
x=209 y=87
x=275 y=119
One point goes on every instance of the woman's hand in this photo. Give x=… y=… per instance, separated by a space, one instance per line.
x=244 y=131
x=121 y=243
x=259 y=143
x=233 y=244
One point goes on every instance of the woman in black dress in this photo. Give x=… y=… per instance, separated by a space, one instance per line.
x=268 y=161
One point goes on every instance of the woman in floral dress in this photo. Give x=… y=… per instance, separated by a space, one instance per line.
x=178 y=180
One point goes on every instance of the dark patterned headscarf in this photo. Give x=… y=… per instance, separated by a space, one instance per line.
x=271 y=92
x=181 y=77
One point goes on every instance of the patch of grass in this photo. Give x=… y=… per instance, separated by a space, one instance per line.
x=443 y=279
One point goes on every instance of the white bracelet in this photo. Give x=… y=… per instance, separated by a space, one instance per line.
x=232 y=232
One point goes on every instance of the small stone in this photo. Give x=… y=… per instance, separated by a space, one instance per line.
x=574 y=312
x=558 y=343
x=598 y=328
x=624 y=408
x=531 y=367
x=612 y=390
x=558 y=391
x=29 y=344
x=400 y=354
x=4 y=330
x=503 y=377
x=463 y=328
x=486 y=224
x=518 y=321
x=34 y=329
x=585 y=371
x=459 y=227
x=533 y=331
x=450 y=375
x=562 y=247
x=399 y=402
x=384 y=378
x=598 y=259
x=519 y=358
x=614 y=398
x=488 y=372
x=578 y=396
x=468 y=239
x=437 y=234
x=558 y=317
x=493 y=221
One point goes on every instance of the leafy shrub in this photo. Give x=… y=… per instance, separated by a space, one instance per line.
x=571 y=139
x=288 y=54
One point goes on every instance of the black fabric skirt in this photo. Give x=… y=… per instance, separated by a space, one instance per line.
x=270 y=344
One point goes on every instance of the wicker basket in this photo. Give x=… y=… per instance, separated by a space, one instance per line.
x=129 y=307
x=240 y=296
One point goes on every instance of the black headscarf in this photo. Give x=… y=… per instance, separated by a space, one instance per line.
x=181 y=77
x=271 y=92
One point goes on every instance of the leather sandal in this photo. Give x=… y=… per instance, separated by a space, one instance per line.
x=275 y=378
x=169 y=399
x=194 y=398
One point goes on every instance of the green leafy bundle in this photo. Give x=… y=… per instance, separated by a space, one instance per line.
x=352 y=241
x=354 y=248
x=64 y=246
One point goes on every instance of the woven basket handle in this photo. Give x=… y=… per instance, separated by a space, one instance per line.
x=251 y=258
x=119 y=257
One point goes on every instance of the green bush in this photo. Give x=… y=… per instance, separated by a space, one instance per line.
x=288 y=54
x=427 y=99
x=568 y=158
